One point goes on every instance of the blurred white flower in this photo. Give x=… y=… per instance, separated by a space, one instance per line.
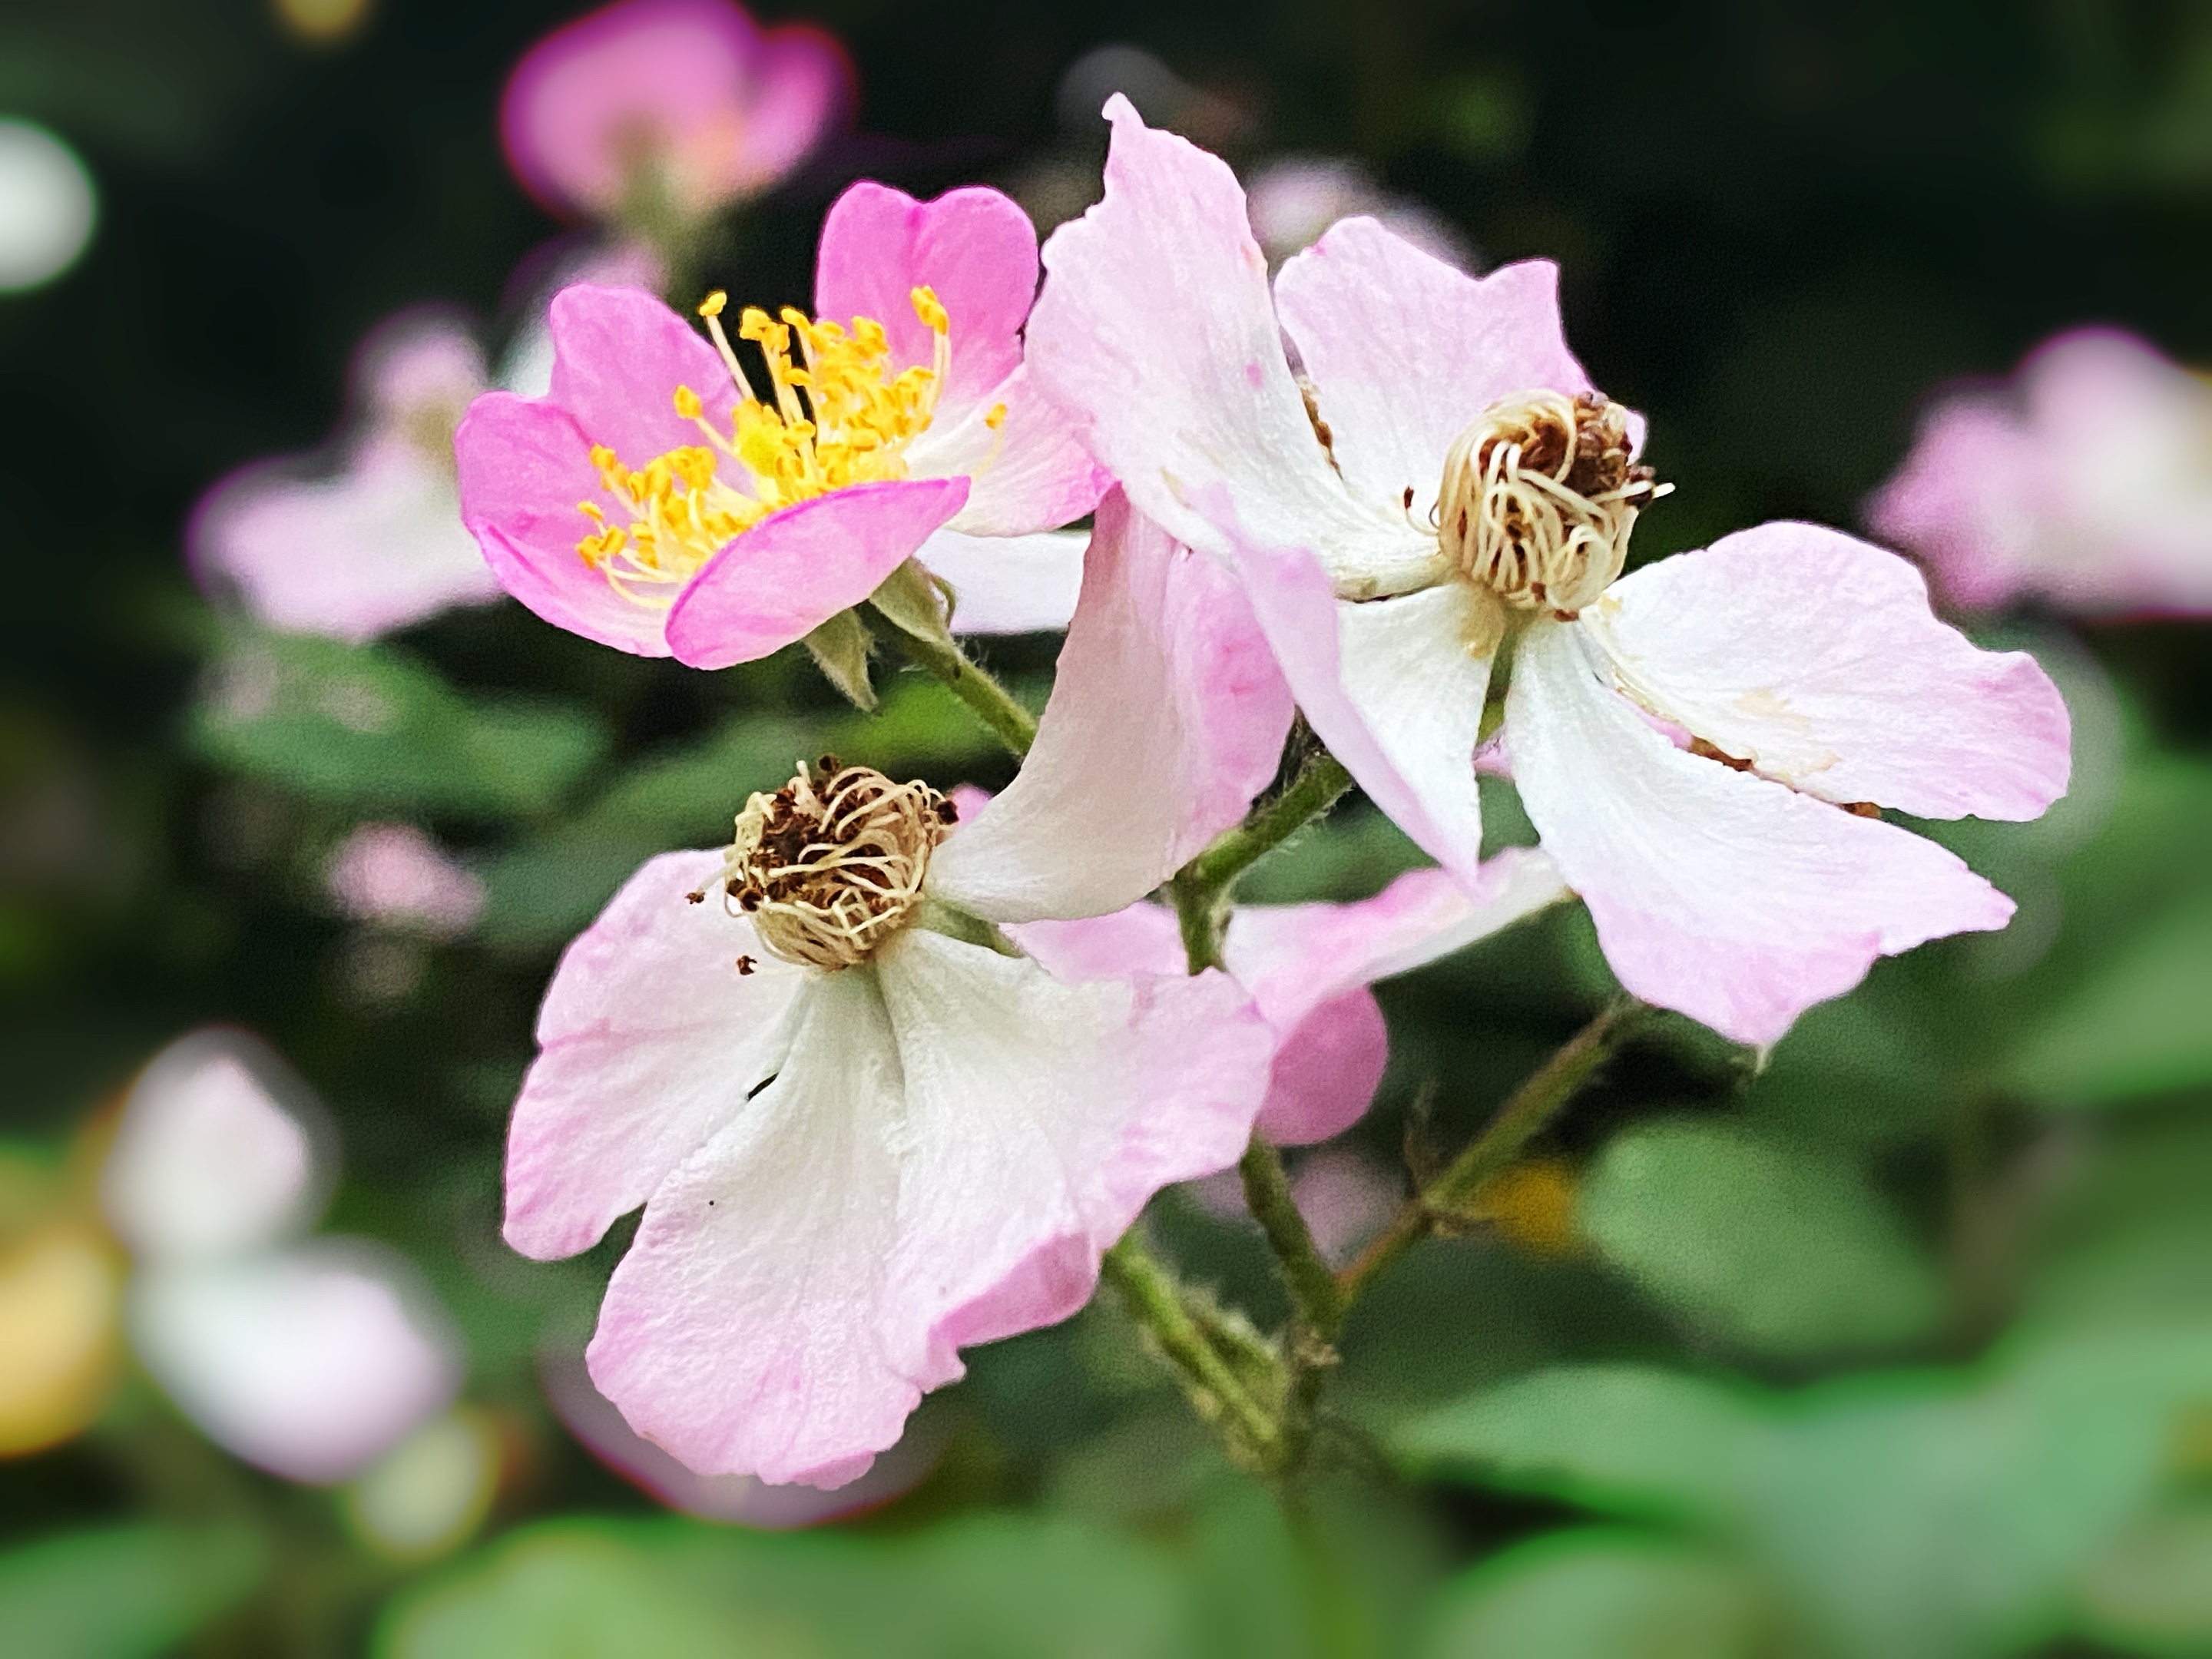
x=311 y=1358
x=394 y=876
x=429 y=1493
x=47 y=207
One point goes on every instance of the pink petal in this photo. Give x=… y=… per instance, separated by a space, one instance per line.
x=796 y=569
x=1029 y=472
x=1718 y=893
x=1327 y=1068
x=976 y=247
x=1405 y=350
x=377 y=547
x=1391 y=687
x=524 y=467
x=1815 y=657
x=953 y=1142
x=1966 y=503
x=721 y=108
x=1156 y=332
x=648 y=1041
x=618 y=357
x=1143 y=937
x=1166 y=720
x=1009 y=583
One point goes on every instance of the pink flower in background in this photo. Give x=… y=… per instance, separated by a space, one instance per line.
x=1307 y=968
x=396 y=877
x=862 y=1144
x=2086 y=483
x=692 y=90
x=666 y=500
x=1292 y=199
x=309 y=1357
x=367 y=538
x=1442 y=482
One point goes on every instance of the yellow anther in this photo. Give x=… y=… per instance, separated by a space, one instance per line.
x=712 y=304
x=687 y=402
x=927 y=306
x=997 y=417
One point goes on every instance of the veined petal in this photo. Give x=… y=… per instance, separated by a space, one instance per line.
x=1392 y=688
x=1730 y=898
x=1405 y=350
x=1044 y=1116
x=1167 y=718
x=741 y=1332
x=524 y=467
x=975 y=247
x=1009 y=583
x=1814 y=656
x=649 y=1042
x=1156 y=332
x=1022 y=457
x=796 y=569
x=618 y=357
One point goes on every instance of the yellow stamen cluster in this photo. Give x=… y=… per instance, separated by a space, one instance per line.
x=1539 y=497
x=830 y=867
x=834 y=416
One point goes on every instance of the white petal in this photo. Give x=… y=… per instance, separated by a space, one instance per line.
x=1167 y=718
x=217 y=1151
x=311 y=1361
x=1719 y=893
x=1814 y=656
x=649 y=1040
x=1009 y=583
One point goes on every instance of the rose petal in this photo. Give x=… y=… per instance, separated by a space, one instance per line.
x=1815 y=657
x=1009 y=583
x=1156 y=330
x=796 y=569
x=1405 y=350
x=649 y=1041
x=618 y=357
x=1732 y=898
x=1167 y=718
x=1027 y=472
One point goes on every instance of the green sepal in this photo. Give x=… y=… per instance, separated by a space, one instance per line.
x=840 y=648
x=911 y=600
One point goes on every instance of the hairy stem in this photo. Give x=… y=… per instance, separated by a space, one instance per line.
x=1313 y=1286
x=1155 y=1301
x=1202 y=887
x=992 y=702
x=1531 y=1106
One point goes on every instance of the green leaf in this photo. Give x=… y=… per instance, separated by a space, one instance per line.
x=2150 y=1590
x=367 y=727
x=1768 y=1245
x=121 y=1593
x=1602 y=1595
x=1628 y=1440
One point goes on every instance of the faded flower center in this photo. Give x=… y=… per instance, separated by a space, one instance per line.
x=834 y=416
x=831 y=865
x=1539 y=497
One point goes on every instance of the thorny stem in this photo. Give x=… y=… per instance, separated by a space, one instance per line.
x=1201 y=888
x=1155 y=1300
x=992 y=703
x=1531 y=1106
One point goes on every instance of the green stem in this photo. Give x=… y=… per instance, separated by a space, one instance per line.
x=1155 y=1301
x=992 y=703
x=1530 y=1108
x=1201 y=888
x=1313 y=1286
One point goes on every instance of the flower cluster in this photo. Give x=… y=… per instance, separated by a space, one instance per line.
x=892 y=1072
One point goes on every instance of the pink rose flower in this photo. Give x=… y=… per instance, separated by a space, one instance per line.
x=394 y=876
x=692 y=90
x=666 y=500
x=367 y=538
x=2086 y=483
x=1455 y=486
x=862 y=1144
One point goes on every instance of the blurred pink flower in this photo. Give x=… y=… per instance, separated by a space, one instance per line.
x=692 y=88
x=1345 y=1198
x=1292 y=199
x=2086 y=483
x=395 y=876
x=1307 y=968
x=309 y=1357
x=367 y=536
x=922 y=422
x=1417 y=503
x=850 y=1171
